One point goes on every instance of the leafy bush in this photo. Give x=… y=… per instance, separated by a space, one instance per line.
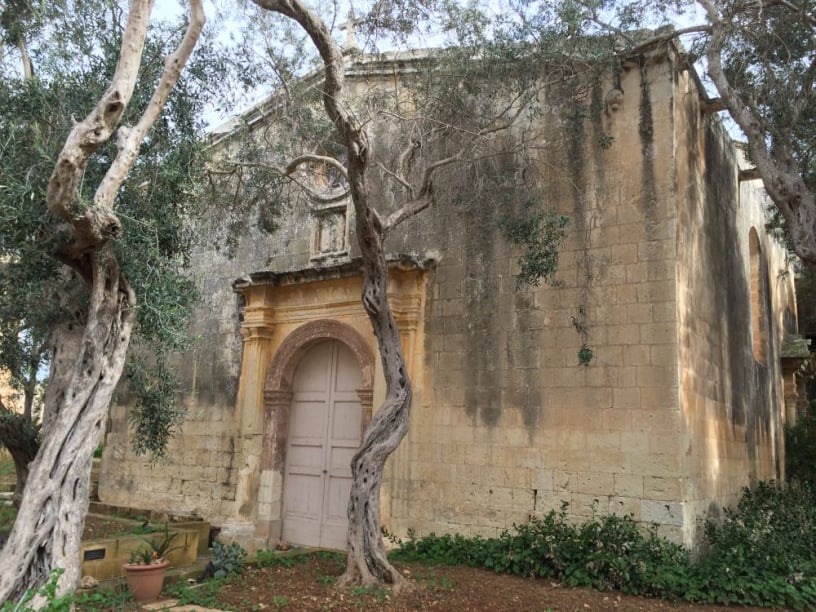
x=228 y=559
x=762 y=552
x=759 y=555
x=800 y=450
x=607 y=553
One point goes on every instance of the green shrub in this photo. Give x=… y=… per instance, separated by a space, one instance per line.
x=228 y=559
x=800 y=450
x=760 y=554
x=607 y=553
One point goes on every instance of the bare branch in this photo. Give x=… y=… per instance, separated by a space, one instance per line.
x=321 y=198
x=398 y=178
x=88 y=135
x=25 y=59
x=99 y=224
x=318 y=159
x=405 y=212
x=425 y=193
x=131 y=138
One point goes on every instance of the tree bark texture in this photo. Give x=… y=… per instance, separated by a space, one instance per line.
x=48 y=531
x=367 y=562
x=88 y=358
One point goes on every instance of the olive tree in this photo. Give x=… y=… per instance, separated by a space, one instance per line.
x=444 y=120
x=90 y=344
x=760 y=58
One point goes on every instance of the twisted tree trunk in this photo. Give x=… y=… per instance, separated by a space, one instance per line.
x=76 y=415
x=367 y=561
x=88 y=359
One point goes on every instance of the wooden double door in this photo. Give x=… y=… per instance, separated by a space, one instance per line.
x=324 y=432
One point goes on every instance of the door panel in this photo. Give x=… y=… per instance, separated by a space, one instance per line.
x=324 y=433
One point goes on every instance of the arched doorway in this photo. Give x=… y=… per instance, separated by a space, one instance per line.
x=324 y=432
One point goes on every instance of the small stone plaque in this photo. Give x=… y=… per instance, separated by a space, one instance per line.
x=93 y=554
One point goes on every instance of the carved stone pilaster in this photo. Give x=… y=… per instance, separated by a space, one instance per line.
x=277 y=403
x=366 y=395
x=257 y=324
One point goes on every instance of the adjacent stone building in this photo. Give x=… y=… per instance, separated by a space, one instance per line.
x=669 y=277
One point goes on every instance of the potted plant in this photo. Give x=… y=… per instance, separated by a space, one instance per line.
x=145 y=571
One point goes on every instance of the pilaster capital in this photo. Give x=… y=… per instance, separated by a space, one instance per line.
x=366 y=396
x=258 y=324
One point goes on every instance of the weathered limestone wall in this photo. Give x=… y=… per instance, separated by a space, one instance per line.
x=198 y=477
x=512 y=425
x=731 y=398
x=200 y=473
x=506 y=424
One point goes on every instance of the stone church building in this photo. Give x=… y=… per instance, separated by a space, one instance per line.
x=668 y=276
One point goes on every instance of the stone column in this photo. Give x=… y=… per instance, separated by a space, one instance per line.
x=366 y=396
x=257 y=330
x=270 y=494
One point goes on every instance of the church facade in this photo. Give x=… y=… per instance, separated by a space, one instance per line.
x=655 y=381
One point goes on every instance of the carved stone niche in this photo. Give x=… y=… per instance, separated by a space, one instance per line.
x=330 y=237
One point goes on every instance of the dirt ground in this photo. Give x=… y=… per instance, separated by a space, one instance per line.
x=309 y=585
x=98 y=526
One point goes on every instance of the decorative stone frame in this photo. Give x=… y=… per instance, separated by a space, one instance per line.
x=321 y=215
x=278 y=387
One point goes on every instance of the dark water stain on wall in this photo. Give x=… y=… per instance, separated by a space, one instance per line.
x=751 y=382
x=647 y=152
x=522 y=352
x=480 y=300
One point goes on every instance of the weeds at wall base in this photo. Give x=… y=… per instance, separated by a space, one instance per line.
x=761 y=554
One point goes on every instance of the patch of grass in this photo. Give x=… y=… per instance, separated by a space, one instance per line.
x=380 y=594
x=7 y=516
x=274 y=558
x=99 y=600
x=329 y=555
x=203 y=594
x=326 y=580
x=7 y=468
x=433 y=580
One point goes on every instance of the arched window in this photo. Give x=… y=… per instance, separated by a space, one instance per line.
x=758 y=328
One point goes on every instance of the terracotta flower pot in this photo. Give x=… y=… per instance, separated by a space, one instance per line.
x=145 y=581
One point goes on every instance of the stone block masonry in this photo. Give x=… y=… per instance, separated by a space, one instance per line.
x=670 y=416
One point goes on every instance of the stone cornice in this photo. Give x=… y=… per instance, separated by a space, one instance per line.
x=346 y=269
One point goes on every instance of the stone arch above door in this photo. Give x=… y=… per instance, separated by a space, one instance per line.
x=278 y=392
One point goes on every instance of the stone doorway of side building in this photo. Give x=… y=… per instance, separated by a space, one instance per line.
x=324 y=432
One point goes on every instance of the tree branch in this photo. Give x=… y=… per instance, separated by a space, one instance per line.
x=129 y=139
x=398 y=178
x=98 y=223
x=319 y=159
x=87 y=136
x=287 y=173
